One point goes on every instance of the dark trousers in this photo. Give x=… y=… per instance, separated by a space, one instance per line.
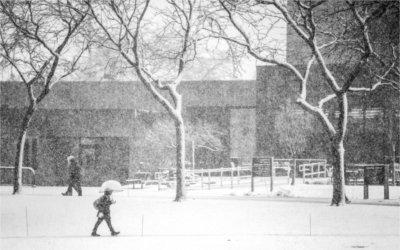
x=105 y=217
x=75 y=184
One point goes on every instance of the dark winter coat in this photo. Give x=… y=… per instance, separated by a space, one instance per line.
x=103 y=204
x=74 y=170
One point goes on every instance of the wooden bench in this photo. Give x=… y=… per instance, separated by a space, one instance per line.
x=134 y=181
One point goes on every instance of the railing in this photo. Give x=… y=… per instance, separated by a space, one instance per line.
x=355 y=172
x=308 y=170
x=206 y=173
x=26 y=168
x=240 y=174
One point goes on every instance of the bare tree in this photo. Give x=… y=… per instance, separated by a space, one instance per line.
x=324 y=28
x=36 y=39
x=159 y=139
x=157 y=40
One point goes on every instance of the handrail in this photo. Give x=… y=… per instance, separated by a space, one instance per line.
x=310 y=167
x=307 y=165
x=217 y=170
x=28 y=168
x=360 y=165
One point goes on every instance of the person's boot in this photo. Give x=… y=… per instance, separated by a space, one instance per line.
x=66 y=194
x=94 y=234
x=114 y=233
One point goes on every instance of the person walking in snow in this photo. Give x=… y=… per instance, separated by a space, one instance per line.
x=102 y=205
x=74 y=180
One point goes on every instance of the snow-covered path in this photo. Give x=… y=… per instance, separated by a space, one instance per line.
x=47 y=220
x=207 y=242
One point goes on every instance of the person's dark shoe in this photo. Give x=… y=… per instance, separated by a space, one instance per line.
x=114 y=233
x=95 y=234
x=66 y=194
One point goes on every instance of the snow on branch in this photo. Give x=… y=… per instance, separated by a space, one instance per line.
x=37 y=46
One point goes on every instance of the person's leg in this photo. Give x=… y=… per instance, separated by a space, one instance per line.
x=108 y=220
x=98 y=222
x=77 y=187
x=69 y=189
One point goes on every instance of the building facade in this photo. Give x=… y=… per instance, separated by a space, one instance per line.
x=99 y=121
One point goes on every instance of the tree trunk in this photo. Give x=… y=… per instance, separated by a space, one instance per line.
x=339 y=194
x=19 y=156
x=393 y=161
x=180 y=159
x=392 y=144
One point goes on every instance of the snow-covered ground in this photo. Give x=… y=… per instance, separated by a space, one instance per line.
x=40 y=218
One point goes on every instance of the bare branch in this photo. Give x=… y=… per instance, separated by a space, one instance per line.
x=319 y=113
x=325 y=100
x=303 y=88
x=247 y=45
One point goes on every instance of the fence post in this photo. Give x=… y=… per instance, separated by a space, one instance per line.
x=386 y=182
x=365 y=184
x=319 y=170
x=272 y=175
x=304 y=173
x=238 y=175
x=232 y=176
x=312 y=171
x=209 y=179
x=294 y=173
x=252 y=177
x=221 y=176
x=201 y=179
x=26 y=222
x=142 y=225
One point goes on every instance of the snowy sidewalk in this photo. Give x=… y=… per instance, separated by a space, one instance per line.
x=206 y=242
x=42 y=219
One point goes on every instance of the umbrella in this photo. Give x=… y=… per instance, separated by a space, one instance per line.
x=111 y=185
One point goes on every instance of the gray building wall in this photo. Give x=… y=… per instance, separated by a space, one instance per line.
x=98 y=122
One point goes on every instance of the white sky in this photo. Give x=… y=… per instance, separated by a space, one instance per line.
x=223 y=70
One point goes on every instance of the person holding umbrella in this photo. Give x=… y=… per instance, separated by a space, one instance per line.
x=74 y=180
x=103 y=204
